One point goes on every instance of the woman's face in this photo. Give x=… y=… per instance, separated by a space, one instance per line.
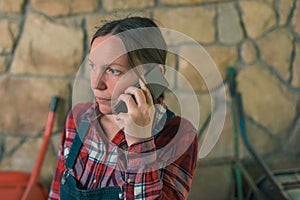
x=110 y=74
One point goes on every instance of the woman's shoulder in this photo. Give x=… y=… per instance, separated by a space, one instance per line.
x=80 y=109
x=176 y=127
x=76 y=114
x=175 y=121
x=73 y=121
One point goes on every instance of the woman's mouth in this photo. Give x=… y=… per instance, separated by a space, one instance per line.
x=99 y=99
x=104 y=100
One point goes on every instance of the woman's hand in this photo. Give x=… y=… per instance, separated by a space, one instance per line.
x=137 y=123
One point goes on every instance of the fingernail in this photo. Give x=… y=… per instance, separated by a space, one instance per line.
x=141 y=82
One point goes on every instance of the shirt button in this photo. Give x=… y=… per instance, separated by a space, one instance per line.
x=121 y=195
x=94 y=181
x=129 y=180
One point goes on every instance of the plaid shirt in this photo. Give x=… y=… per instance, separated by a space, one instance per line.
x=157 y=168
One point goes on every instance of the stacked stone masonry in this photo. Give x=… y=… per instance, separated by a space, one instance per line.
x=43 y=43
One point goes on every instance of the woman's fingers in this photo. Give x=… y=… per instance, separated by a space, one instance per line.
x=138 y=95
x=138 y=121
x=142 y=95
x=129 y=101
x=148 y=96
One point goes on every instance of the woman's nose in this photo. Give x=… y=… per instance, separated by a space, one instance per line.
x=99 y=83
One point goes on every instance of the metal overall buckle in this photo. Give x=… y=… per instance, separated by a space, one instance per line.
x=65 y=175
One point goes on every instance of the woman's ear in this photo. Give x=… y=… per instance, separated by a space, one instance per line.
x=162 y=68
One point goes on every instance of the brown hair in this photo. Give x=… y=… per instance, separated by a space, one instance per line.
x=137 y=42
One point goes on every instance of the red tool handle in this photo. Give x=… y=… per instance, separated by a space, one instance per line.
x=43 y=150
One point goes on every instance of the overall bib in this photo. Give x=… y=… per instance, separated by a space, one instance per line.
x=68 y=185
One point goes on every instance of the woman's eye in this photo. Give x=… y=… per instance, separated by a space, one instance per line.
x=92 y=65
x=113 y=71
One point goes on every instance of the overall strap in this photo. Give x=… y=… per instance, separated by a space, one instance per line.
x=77 y=142
x=169 y=115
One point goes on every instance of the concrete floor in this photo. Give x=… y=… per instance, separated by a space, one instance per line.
x=212 y=183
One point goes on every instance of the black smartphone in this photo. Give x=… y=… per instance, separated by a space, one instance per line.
x=155 y=82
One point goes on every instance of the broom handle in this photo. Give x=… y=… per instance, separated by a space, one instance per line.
x=39 y=162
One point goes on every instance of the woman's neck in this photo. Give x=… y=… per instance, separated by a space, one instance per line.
x=109 y=126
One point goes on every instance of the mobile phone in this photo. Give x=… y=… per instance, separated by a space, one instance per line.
x=155 y=82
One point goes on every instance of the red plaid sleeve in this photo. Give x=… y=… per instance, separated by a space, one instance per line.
x=60 y=168
x=147 y=179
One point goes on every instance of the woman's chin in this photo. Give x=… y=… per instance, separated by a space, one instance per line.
x=104 y=109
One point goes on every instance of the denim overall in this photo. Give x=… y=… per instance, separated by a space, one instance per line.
x=68 y=184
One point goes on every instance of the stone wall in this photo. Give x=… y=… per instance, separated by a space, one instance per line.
x=42 y=44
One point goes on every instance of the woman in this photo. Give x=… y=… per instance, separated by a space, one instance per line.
x=105 y=154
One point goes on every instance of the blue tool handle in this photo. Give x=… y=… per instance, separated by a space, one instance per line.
x=231 y=81
x=54 y=104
